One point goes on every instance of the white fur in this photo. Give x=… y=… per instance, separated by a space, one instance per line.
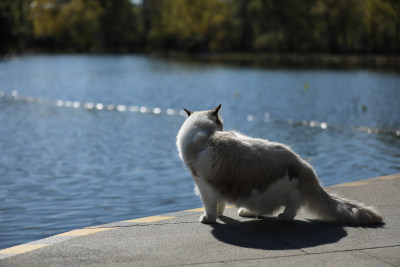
x=209 y=153
x=284 y=192
x=191 y=132
x=259 y=203
x=210 y=200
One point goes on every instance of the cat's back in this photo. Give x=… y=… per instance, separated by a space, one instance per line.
x=237 y=152
x=235 y=141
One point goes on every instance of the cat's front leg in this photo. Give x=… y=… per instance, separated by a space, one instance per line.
x=209 y=198
x=210 y=206
x=207 y=219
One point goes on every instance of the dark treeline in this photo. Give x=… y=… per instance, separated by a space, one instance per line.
x=294 y=26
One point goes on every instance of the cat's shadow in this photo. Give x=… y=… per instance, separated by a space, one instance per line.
x=272 y=234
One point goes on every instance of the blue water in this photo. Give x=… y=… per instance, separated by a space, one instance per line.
x=87 y=140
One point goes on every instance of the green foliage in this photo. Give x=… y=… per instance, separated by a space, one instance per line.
x=329 y=26
x=15 y=28
x=79 y=25
x=44 y=15
x=121 y=25
x=192 y=25
x=382 y=21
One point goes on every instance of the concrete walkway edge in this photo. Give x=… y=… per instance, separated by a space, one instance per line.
x=179 y=239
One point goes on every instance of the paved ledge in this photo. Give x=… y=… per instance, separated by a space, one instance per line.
x=179 y=239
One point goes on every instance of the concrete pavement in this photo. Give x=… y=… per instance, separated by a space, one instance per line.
x=179 y=239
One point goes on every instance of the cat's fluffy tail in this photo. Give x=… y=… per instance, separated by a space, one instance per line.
x=334 y=208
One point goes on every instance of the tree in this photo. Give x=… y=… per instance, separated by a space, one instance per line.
x=331 y=26
x=79 y=25
x=341 y=24
x=14 y=25
x=192 y=25
x=281 y=25
x=121 y=25
x=382 y=25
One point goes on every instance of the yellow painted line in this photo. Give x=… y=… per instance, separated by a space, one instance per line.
x=197 y=210
x=202 y=209
x=351 y=184
x=388 y=177
x=85 y=231
x=150 y=219
x=365 y=182
x=22 y=248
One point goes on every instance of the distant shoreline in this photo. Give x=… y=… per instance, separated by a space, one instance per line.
x=294 y=60
x=265 y=60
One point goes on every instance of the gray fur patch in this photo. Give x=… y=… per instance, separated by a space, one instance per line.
x=241 y=164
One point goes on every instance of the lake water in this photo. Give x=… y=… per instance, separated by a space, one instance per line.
x=87 y=140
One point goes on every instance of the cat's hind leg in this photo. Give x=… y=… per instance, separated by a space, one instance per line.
x=243 y=212
x=292 y=205
x=221 y=208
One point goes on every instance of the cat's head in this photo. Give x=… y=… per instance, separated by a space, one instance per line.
x=208 y=118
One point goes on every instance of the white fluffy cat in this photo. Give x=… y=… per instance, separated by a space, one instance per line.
x=256 y=175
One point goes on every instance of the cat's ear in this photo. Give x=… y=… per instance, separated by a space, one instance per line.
x=188 y=112
x=215 y=110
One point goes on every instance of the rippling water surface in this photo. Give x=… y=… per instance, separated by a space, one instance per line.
x=87 y=140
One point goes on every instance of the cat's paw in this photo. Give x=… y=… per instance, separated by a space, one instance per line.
x=207 y=219
x=285 y=217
